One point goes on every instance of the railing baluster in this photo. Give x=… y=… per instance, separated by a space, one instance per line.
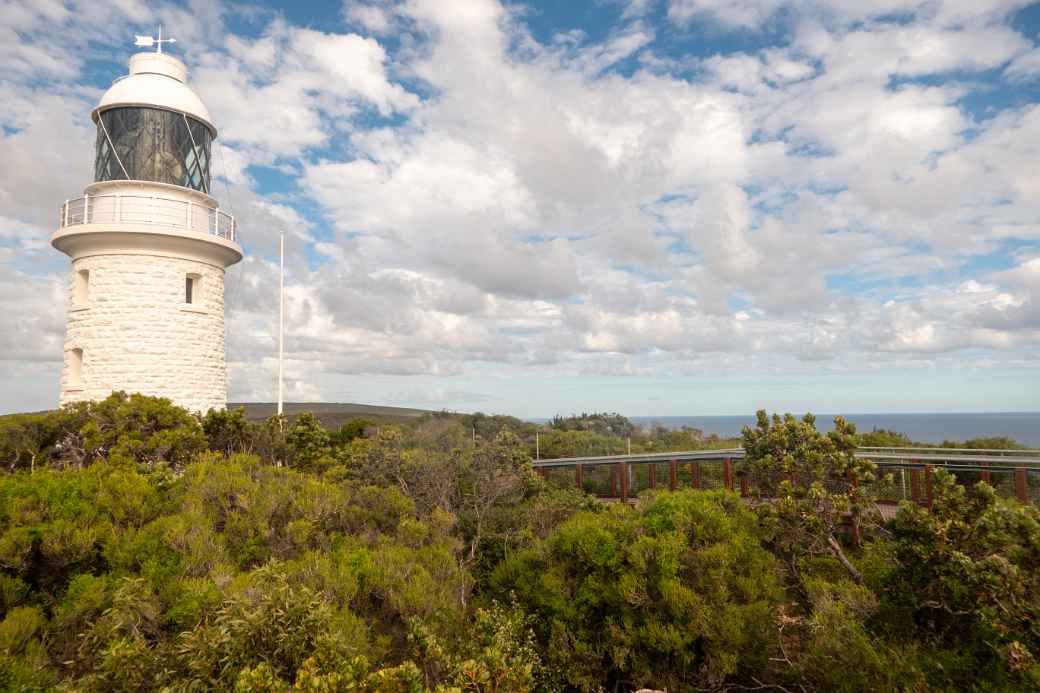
x=929 y=492
x=1022 y=485
x=915 y=485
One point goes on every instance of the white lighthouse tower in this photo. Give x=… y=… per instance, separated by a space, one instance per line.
x=149 y=247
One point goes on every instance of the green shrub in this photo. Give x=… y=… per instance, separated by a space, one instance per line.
x=310 y=447
x=676 y=594
x=272 y=621
x=24 y=665
x=966 y=581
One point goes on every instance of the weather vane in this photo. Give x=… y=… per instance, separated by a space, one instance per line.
x=148 y=41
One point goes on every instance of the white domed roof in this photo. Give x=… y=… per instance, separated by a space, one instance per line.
x=156 y=79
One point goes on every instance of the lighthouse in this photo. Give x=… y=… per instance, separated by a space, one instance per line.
x=149 y=247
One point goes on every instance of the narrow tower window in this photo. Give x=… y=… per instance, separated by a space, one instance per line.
x=192 y=282
x=76 y=367
x=82 y=286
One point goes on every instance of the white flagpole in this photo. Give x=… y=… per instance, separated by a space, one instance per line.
x=281 y=312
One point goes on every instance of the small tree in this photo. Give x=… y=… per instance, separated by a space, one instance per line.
x=967 y=578
x=25 y=438
x=228 y=431
x=351 y=430
x=133 y=429
x=494 y=474
x=309 y=444
x=809 y=484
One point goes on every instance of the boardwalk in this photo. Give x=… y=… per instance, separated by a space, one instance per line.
x=904 y=473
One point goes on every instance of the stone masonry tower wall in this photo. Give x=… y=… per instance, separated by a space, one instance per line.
x=149 y=249
x=178 y=347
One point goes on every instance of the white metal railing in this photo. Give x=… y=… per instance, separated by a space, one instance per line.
x=148 y=209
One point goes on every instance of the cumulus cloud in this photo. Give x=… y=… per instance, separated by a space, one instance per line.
x=1026 y=67
x=460 y=195
x=754 y=14
x=288 y=90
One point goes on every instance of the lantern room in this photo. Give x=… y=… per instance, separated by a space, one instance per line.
x=152 y=127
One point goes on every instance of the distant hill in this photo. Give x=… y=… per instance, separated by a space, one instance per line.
x=331 y=414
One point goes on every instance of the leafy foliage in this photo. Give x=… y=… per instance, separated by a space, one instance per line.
x=677 y=594
x=146 y=548
x=813 y=482
x=965 y=578
x=602 y=423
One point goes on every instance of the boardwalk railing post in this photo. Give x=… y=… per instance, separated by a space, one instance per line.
x=743 y=486
x=614 y=481
x=915 y=485
x=653 y=475
x=673 y=475
x=727 y=473
x=1022 y=485
x=986 y=475
x=695 y=475
x=929 y=493
x=623 y=470
x=579 y=479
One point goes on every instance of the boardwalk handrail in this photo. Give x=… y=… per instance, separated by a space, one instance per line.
x=1024 y=471
x=912 y=457
x=644 y=458
x=1003 y=451
x=953 y=460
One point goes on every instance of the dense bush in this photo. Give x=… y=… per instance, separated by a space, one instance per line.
x=144 y=548
x=678 y=594
x=964 y=578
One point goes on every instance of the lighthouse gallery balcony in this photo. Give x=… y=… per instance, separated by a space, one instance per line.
x=127 y=208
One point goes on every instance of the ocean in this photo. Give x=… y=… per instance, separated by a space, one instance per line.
x=925 y=428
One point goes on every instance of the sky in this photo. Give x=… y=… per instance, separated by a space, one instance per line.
x=656 y=207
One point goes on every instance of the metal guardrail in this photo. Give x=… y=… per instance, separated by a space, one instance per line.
x=622 y=476
x=122 y=208
x=913 y=456
x=947 y=451
x=645 y=458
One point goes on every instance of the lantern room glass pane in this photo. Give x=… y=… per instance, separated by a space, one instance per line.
x=154 y=145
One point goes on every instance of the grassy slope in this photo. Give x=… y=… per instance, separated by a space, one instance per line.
x=331 y=414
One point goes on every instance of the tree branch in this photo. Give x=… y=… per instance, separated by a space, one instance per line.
x=843 y=559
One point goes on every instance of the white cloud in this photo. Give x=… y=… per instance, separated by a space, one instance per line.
x=287 y=91
x=461 y=198
x=1025 y=67
x=734 y=13
x=754 y=14
x=374 y=18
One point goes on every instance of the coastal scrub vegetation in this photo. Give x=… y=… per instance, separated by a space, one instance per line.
x=145 y=548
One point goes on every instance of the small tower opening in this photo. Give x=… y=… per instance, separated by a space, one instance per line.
x=76 y=367
x=192 y=284
x=81 y=290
